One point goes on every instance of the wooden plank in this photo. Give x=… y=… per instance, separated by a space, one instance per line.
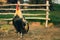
x=6 y=19
x=36 y=18
x=34 y=9
x=23 y=14
x=33 y=14
x=25 y=5
x=23 y=9
x=28 y=18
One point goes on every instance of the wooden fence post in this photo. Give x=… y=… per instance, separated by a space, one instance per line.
x=47 y=12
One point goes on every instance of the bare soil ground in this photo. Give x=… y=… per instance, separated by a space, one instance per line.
x=36 y=32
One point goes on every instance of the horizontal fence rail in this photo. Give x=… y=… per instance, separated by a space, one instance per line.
x=25 y=5
x=8 y=19
x=24 y=14
x=22 y=9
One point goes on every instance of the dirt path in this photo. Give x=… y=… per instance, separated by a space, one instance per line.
x=37 y=34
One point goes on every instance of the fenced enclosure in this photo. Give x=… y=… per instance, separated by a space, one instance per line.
x=26 y=7
x=7 y=32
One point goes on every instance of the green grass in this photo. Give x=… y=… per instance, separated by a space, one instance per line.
x=6 y=16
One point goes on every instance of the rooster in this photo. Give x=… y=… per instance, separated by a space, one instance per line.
x=19 y=22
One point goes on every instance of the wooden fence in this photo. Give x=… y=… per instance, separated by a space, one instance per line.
x=26 y=5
